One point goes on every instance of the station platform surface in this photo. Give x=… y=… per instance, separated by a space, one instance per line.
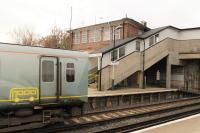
x=125 y=91
x=185 y=125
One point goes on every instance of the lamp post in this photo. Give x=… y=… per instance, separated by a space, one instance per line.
x=113 y=55
x=143 y=67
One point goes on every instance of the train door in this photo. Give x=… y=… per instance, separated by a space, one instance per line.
x=48 y=79
x=68 y=78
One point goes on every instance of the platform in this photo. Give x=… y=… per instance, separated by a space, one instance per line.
x=185 y=125
x=126 y=91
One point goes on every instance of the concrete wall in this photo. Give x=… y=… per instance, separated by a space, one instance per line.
x=167 y=48
x=176 y=34
x=189 y=34
x=177 y=77
x=192 y=74
x=124 y=69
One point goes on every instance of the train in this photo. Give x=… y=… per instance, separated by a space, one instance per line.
x=34 y=77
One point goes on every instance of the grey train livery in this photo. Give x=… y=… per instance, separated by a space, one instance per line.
x=34 y=76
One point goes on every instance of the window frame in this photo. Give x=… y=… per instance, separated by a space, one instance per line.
x=76 y=37
x=156 y=38
x=136 y=45
x=119 y=52
x=45 y=72
x=111 y=56
x=71 y=71
x=84 y=35
x=106 y=34
x=151 y=40
x=97 y=35
x=91 y=36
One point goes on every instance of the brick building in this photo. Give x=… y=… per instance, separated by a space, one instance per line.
x=97 y=36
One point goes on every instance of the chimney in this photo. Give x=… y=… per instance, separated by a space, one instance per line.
x=144 y=23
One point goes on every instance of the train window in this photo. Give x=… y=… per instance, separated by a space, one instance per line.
x=70 y=72
x=47 y=71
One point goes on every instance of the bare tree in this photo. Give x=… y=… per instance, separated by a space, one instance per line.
x=57 y=38
x=24 y=36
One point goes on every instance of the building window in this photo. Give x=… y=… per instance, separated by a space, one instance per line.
x=47 y=71
x=106 y=34
x=114 y=55
x=91 y=36
x=156 y=38
x=70 y=72
x=121 y=52
x=151 y=40
x=97 y=35
x=84 y=37
x=117 y=34
x=138 y=45
x=76 y=37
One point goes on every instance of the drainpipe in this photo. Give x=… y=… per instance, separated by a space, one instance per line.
x=123 y=29
x=71 y=39
x=143 y=65
x=100 y=73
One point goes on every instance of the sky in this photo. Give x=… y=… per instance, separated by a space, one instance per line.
x=42 y=15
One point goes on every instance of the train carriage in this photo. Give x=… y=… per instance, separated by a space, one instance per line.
x=36 y=77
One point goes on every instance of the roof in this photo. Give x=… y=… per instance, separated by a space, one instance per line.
x=153 y=31
x=110 y=47
x=19 y=48
x=119 y=43
x=123 y=19
x=147 y=34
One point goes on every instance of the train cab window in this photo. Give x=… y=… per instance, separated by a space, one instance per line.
x=47 y=71
x=70 y=72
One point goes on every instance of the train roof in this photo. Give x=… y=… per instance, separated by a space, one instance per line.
x=24 y=49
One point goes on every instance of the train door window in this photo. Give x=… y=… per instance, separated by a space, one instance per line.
x=47 y=71
x=70 y=72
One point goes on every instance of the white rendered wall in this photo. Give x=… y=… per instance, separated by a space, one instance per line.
x=106 y=59
x=189 y=34
x=130 y=47
x=167 y=33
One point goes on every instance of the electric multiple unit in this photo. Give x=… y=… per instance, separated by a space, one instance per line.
x=34 y=76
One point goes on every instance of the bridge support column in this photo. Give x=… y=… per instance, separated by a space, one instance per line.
x=141 y=80
x=168 y=73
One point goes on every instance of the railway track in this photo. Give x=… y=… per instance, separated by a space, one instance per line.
x=124 y=120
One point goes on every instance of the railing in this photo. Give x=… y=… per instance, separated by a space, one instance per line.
x=93 y=79
x=131 y=63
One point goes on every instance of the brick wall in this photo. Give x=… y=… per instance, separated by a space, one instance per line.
x=129 y=30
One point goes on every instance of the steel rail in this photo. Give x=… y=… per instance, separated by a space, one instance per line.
x=140 y=111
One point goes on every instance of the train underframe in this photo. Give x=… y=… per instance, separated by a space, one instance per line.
x=46 y=114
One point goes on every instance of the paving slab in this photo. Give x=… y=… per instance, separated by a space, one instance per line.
x=125 y=91
x=185 y=125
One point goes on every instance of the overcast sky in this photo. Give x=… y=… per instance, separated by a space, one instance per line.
x=41 y=15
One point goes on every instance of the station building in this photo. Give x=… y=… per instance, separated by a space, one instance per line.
x=96 y=36
x=141 y=57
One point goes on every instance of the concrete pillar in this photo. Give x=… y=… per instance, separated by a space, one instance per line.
x=141 y=85
x=168 y=73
